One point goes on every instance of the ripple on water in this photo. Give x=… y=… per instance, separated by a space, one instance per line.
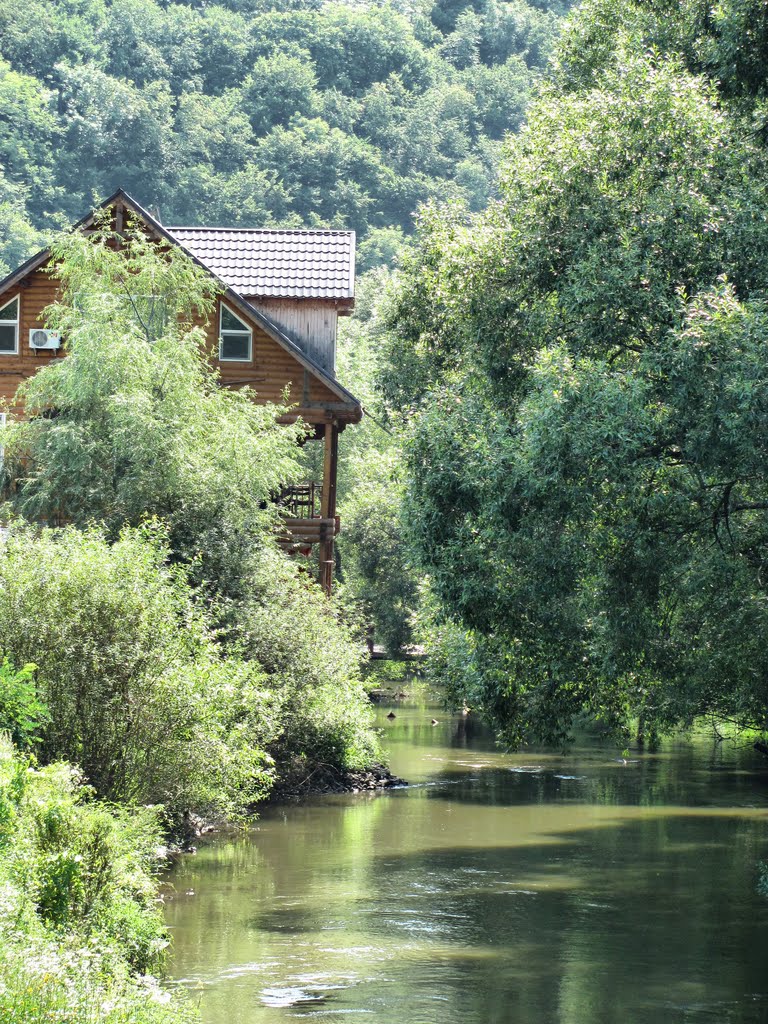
x=291 y=996
x=301 y=991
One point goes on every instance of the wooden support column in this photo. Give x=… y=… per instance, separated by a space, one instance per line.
x=328 y=504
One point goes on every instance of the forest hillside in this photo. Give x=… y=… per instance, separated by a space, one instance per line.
x=261 y=113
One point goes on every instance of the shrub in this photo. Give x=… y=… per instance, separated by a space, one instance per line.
x=378 y=571
x=312 y=666
x=139 y=695
x=78 y=910
x=22 y=715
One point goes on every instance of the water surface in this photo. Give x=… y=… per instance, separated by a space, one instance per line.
x=591 y=887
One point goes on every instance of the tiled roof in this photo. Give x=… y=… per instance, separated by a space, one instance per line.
x=276 y=264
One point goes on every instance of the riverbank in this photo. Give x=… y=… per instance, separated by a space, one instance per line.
x=82 y=937
x=328 y=779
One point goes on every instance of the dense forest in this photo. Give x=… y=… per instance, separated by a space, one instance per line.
x=243 y=112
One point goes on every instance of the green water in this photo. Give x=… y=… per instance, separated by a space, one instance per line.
x=532 y=888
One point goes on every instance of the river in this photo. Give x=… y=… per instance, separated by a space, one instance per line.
x=591 y=887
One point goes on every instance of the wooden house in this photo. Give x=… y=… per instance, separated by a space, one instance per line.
x=274 y=329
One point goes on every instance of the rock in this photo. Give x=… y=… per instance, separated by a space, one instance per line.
x=391 y=715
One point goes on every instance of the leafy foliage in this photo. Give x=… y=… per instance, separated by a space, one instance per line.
x=379 y=580
x=178 y=653
x=241 y=113
x=22 y=714
x=78 y=908
x=139 y=696
x=584 y=376
x=133 y=423
x=312 y=665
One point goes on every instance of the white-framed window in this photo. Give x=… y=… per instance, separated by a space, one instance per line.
x=235 y=337
x=9 y=327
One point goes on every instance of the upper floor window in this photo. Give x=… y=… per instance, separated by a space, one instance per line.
x=235 y=337
x=9 y=327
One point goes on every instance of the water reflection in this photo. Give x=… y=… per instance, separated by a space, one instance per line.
x=578 y=889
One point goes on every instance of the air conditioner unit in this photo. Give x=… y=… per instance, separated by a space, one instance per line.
x=40 y=339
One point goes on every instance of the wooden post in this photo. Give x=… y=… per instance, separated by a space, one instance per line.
x=328 y=504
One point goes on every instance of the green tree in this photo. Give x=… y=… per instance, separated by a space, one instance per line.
x=165 y=98
x=27 y=129
x=113 y=134
x=18 y=238
x=141 y=425
x=586 y=489
x=379 y=578
x=279 y=87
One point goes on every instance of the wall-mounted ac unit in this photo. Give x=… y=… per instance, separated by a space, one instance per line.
x=40 y=339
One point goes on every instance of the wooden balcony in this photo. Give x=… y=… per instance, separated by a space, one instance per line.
x=303 y=526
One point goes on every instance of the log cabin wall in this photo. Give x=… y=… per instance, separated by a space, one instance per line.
x=36 y=292
x=270 y=371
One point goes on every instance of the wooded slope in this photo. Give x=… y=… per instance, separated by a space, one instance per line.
x=257 y=112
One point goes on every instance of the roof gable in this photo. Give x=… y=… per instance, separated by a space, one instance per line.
x=272 y=263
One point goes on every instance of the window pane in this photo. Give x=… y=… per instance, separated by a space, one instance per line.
x=235 y=346
x=7 y=337
x=230 y=322
x=11 y=311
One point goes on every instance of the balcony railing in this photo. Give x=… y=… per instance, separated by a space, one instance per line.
x=301 y=501
x=303 y=525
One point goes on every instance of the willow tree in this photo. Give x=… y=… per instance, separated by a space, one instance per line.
x=589 y=424
x=133 y=422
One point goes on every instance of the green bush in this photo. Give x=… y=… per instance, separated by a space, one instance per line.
x=312 y=666
x=79 y=920
x=377 y=570
x=139 y=695
x=22 y=715
x=84 y=866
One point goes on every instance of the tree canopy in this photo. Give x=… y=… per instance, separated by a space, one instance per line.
x=586 y=391
x=297 y=114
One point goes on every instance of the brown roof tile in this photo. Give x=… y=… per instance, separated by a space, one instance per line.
x=265 y=263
